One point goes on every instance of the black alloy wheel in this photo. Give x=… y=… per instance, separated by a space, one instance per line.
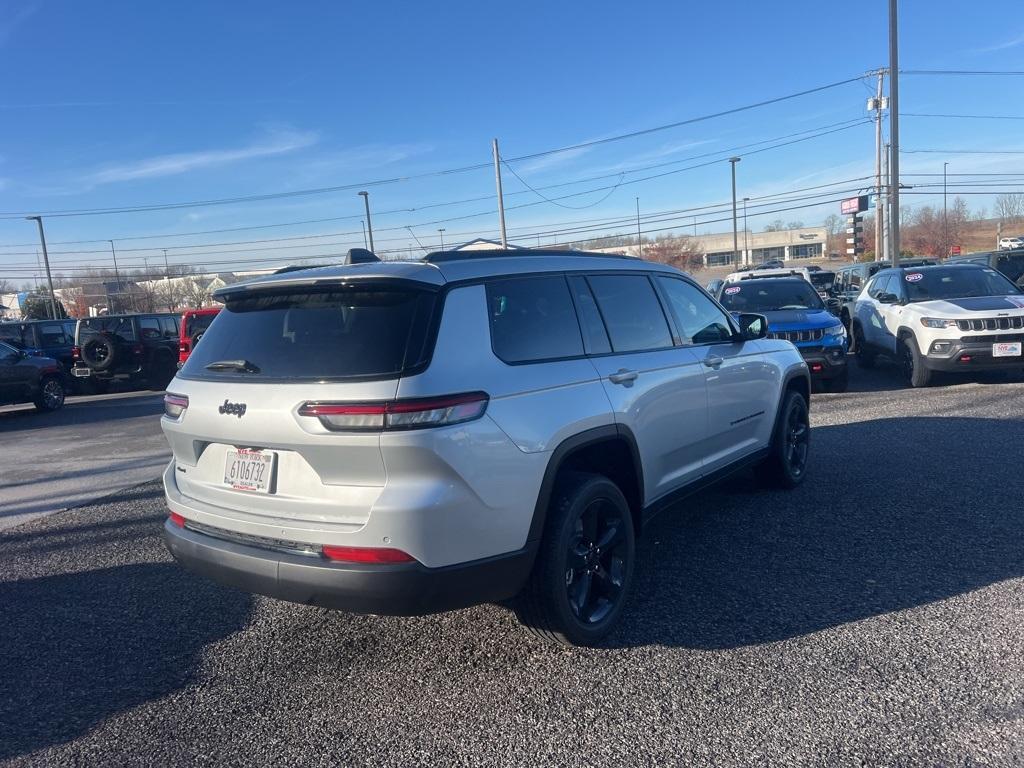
x=596 y=562
x=798 y=434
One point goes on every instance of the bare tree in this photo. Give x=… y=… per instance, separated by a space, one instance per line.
x=775 y=226
x=683 y=252
x=1009 y=207
x=6 y=286
x=194 y=293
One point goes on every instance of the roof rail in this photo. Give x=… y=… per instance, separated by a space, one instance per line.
x=439 y=257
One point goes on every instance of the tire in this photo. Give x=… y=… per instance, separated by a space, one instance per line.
x=840 y=383
x=51 y=394
x=577 y=590
x=99 y=353
x=865 y=357
x=786 y=464
x=915 y=369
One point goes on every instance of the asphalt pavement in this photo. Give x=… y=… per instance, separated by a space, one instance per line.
x=92 y=447
x=871 y=617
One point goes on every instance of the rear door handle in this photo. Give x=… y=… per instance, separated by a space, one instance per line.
x=623 y=376
x=713 y=362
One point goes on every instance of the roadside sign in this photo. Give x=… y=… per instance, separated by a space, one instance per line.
x=854 y=204
x=954 y=250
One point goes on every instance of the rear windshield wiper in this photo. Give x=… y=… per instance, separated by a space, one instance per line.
x=242 y=366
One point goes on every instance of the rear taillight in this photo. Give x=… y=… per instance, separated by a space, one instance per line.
x=379 y=555
x=183 y=347
x=76 y=353
x=177 y=519
x=175 y=405
x=415 y=413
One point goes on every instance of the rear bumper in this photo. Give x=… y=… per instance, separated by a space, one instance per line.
x=978 y=352
x=407 y=589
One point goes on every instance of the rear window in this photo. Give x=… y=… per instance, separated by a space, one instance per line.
x=316 y=335
x=196 y=324
x=120 y=328
x=532 y=318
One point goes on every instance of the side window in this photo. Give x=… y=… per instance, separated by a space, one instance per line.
x=12 y=334
x=149 y=327
x=533 y=319
x=52 y=335
x=631 y=311
x=170 y=327
x=878 y=285
x=595 y=337
x=698 y=319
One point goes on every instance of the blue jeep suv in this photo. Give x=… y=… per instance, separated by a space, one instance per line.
x=797 y=314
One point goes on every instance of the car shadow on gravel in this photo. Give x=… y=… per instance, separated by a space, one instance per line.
x=79 y=648
x=896 y=513
x=887 y=376
x=89 y=412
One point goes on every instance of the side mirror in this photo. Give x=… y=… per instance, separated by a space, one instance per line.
x=887 y=298
x=833 y=305
x=752 y=326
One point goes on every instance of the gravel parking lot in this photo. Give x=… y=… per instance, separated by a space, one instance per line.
x=873 y=616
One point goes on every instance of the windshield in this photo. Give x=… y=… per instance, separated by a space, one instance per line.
x=196 y=324
x=823 y=280
x=1012 y=266
x=955 y=283
x=770 y=296
x=119 y=327
x=315 y=335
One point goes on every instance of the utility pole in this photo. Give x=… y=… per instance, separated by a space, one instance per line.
x=735 y=235
x=639 y=237
x=745 y=252
x=167 y=282
x=441 y=233
x=894 y=132
x=887 y=233
x=369 y=224
x=117 y=275
x=46 y=261
x=945 y=215
x=501 y=197
x=878 y=104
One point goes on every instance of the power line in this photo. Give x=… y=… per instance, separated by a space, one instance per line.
x=600 y=200
x=964 y=117
x=430 y=174
x=962 y=151
x=961 y=72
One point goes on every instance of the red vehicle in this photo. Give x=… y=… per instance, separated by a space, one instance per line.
x=194 y=323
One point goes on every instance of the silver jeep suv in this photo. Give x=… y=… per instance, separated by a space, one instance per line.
x=411 y=437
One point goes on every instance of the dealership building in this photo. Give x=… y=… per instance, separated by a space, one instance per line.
x=759 y=247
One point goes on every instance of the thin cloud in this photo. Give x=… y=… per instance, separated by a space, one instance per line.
x=8 y=27
x=1006 y=44
x=184 y=162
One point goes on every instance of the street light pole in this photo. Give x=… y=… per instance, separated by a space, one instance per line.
x=735 y=235
x=363 y=225
x=441 y=233
x=167 y=282
x=894 y=132
x=46 y=261
x=945 y=215
x=639 y=237
x=745 y=252
x=369 y=224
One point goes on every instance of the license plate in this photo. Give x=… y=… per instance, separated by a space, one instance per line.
x=1006 y=349
x=246 y=470
x=81 y=372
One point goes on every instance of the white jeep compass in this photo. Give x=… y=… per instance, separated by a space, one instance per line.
x=950 y=317
x=411 y=437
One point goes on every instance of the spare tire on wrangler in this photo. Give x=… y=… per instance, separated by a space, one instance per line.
x=99 y=353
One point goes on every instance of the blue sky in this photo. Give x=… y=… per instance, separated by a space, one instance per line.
x=126 y=104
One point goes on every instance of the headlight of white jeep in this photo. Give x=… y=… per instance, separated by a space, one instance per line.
x=937 y=322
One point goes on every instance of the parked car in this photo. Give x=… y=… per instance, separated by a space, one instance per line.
x=801 y=272
x=1009 y=263
x=851 y=279
x=194 y=323
x=796 y=313
x=1011 y=243
x=714 y=286
x=134 y=348
x=26 y=378
x=43 y=338
x=405 y=438
x=955 y=317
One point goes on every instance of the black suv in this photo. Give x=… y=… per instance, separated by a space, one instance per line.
x=26 y=378
x=130 y=348
x=1010 y=263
